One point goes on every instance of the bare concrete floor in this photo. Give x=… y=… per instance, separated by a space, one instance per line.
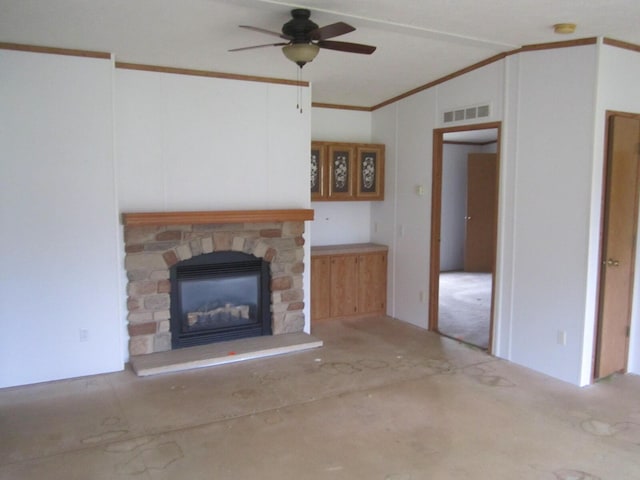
x=381 y=400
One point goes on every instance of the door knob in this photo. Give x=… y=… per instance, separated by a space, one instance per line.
x=613 y=263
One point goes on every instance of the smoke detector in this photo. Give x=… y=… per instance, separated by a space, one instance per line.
x=564 y=28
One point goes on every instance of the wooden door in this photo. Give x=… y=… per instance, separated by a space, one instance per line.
x=618 y=247
x=320 y=287
x=344 y=285
x=479 y=245
x=372 y=283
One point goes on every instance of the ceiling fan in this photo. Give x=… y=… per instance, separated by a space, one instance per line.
x=304 y=38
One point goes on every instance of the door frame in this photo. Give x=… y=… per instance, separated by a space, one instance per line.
x=436 y=216
x=600 y=286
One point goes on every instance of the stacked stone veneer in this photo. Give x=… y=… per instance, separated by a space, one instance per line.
x=152 y=250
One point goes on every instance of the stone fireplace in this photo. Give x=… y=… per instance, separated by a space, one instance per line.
x=155 y=242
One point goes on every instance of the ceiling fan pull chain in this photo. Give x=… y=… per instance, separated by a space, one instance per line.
x=299 y=76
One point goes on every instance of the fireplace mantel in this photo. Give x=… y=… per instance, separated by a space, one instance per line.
x=215 y=217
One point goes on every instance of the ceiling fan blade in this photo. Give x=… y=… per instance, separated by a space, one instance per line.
x=268 y=32
x=258 y=46
x=347 y=47
x=330 y=31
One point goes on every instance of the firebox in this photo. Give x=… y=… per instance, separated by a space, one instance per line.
x=219 y=296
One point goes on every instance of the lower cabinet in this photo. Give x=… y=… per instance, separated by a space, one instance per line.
x=347 y=282
x=343 y=285
x=320 y=292
x=372 y=283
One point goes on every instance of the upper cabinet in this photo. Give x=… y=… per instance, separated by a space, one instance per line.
x=347 y=171
x=370 y=172
x=341 y=171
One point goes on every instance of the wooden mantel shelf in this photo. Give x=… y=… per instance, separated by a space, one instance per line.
x=213 y=217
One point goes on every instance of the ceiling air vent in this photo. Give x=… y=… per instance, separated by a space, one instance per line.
x=466 y=113
x=483 y=111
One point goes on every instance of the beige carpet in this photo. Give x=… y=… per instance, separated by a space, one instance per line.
x=381 y=400
x=465 y=307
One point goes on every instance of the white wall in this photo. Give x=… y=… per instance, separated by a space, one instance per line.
x=551 y=151
x=480 y=87
x=198 y=143
x=619 y=71
x=341 y=222
x=60 y=265
x=546 y=218
x=413 y=211
x=383 y=214
x=336 y=125
x=551 y=179
x=403 y=220
x=454 y=206
x=69 y=166
x=550 y=194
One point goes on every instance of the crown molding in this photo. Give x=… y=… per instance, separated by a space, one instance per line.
x=147 y=68
x=620 y=44
x=488 y=61
x=483 y=63
x=209 y=74
x=54 y=51
x=438 y=81
x=341 y=107
x=280 y=81
x=552 y=45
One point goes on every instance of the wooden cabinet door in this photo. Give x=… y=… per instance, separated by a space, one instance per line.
x=372 y=283
x=320 y=287
x=370 y=172
x=341 y=171
x=319 y=183
x=344 y=285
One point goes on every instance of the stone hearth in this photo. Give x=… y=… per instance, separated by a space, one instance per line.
x=156 y=241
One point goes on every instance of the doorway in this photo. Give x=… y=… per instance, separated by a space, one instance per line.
x=619 y=227
x=463 y=232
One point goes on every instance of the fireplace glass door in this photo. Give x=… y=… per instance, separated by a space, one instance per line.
x=219 y=296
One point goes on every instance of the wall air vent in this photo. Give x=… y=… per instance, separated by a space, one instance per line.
x=466 y=113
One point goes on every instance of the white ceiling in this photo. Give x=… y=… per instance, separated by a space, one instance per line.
x=418 y=40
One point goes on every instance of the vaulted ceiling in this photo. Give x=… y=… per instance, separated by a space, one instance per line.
x=418 y=40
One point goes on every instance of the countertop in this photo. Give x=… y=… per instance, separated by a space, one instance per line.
x=347 y=248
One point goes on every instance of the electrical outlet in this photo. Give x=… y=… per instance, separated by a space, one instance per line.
x=401 y=231
x=83 y=334
x=562 y=337
x=421 y=295
x=375 y=227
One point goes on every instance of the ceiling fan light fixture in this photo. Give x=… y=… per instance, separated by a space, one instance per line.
x=301 y=53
